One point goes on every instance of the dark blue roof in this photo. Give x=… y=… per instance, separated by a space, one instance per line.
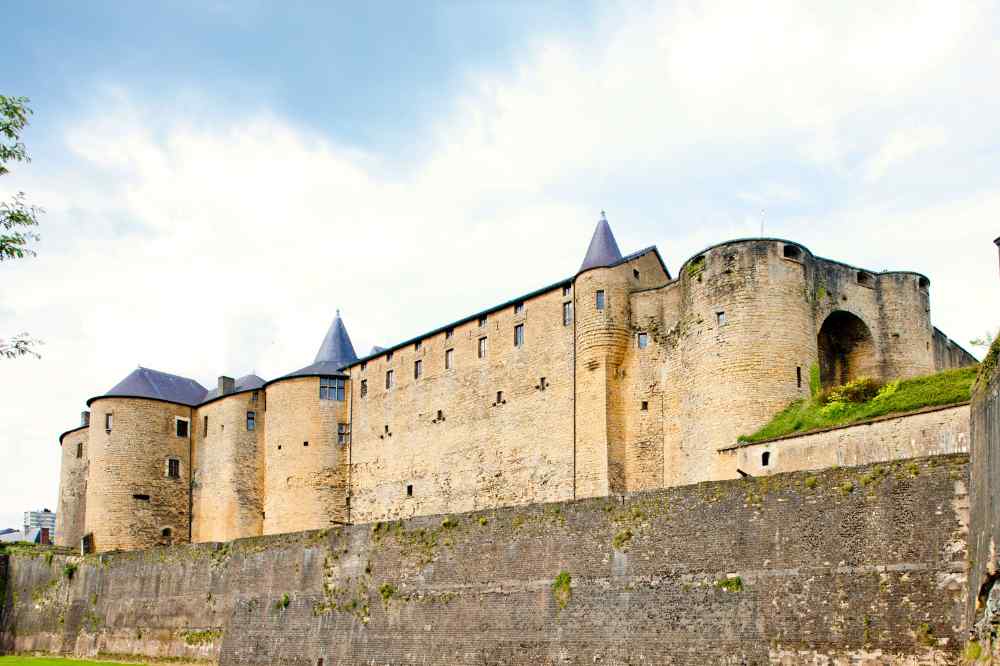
x=603 y=250
x=334 y=353
x=147 y=383
x=244 y=383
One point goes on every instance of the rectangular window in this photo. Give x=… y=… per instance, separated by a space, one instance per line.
x=174 y=468
x=107 y=422
x=418 y=369
x=364 y=388
x=449 y=359
x=181 y=426
x=448 y=333
x=798 y=376
x=388 y=356
x=364 y=366
x=566 y=290
x=518 y=308
x=79 y=449
x=343 y=433
x=519 y=335
x=720 y=318
x=409 y=490
x=417 y=345
x=644 y=406
x=499 y=397
x=251 y=420
x=643 y=340
x=204 y=427
x=253 y=396
x=389 y=379
x=599 y=300
x=635 y=273
x=482 y=347
x=567 y=313
x=331 y=388
x=482 y=321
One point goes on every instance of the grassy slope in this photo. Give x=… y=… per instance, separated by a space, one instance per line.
x=943 y=388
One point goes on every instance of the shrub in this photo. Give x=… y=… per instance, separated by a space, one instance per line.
x=621 y=539
x=387 y=592
x=862 y=389
x=561 y=589
x=734 y=584
x=283 y=602
x=811 y=482
x=973 y=651
x=69 y=570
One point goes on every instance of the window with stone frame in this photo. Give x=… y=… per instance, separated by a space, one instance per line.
x=331 y=388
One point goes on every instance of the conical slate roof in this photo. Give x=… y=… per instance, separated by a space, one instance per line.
x=335 y=352
x=146 y=383
x=603 y=250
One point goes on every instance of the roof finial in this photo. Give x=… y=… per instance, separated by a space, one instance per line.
x=604 y=218
x=338 y=312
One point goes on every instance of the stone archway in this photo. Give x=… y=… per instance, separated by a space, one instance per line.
x=846 y=350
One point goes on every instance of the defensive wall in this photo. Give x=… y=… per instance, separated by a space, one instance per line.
x=926 y=432
x=983 y=610
x=862 y=565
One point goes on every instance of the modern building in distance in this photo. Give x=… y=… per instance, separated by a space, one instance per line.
x=41 y=519
x=621 y=377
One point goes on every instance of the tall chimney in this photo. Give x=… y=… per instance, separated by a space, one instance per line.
x=226 y=385
x=84 y=418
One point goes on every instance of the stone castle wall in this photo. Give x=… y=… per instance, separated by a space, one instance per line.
x=227 y=492
x=442 y=442
x=71 y=511
x=931 y=432
x=130 y=498
x=983 y=606
x=305 y=468
x=765 y=571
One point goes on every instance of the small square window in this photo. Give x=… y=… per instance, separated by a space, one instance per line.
x=343 y=433
x=519 y=335
x=644 y=406
x=417 y=345
x=599 y=299
x=251 y=421
x=519 y=308
x=305 y=444
x=448 y=333
x=418 y=368
x=482 y=347
x=566 y=290
x=720 y=318
x=390 y=379
x=181 y=426
x=449 y=359
x=567 y=313
x=642 y=339
x=364 y=388
x=482 y=321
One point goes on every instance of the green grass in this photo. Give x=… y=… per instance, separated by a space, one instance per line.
x=944 y=388
x=49 y=661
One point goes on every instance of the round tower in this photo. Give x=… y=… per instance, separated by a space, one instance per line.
x=307 y=458
x=907 y=337
x=601 y=309
x=744 y=344
x=138 y=493
x=72 y=507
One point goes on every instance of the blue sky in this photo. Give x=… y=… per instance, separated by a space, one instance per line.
x=220 y=177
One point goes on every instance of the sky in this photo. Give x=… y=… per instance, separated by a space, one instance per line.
x=219 y=177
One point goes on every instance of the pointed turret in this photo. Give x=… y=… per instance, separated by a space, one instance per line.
x=336 y=347
x=334 y=353
x=603 y=250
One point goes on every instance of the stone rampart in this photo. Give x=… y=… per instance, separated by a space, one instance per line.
x=861 y=566
x=928 y=432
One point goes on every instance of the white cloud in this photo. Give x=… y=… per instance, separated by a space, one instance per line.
x=199 y=244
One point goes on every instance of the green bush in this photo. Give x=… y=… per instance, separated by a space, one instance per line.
x=862 y=389
x=561 y=589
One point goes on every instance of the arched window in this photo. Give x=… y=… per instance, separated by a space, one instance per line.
x=765 y=459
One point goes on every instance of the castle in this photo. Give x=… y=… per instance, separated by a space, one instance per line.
x=619 y=378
